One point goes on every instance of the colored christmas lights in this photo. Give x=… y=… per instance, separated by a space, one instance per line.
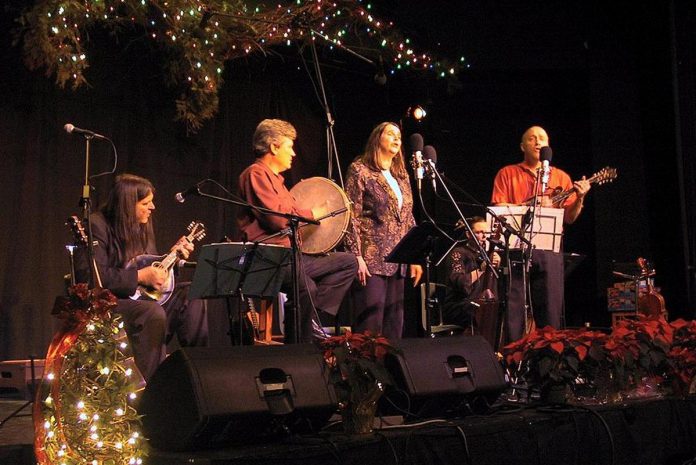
x=207 y=34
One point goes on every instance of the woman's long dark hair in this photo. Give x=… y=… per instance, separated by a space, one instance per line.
x=370 y=156
x=119 y=211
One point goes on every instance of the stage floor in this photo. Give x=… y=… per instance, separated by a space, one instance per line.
x=16 y=434
x=657 y=431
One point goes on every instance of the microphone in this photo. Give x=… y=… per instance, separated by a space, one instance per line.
x=193 y=190
x=430 y=157
x=72 y=129
x=415 y=141
x=545 y=155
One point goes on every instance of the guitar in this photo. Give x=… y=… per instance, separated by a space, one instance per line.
x=253 y=317
x=166 y=263
x=558 y=195
x=602 y=176
x=81 y=240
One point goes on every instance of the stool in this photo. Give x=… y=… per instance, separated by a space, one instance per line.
x=266 y=310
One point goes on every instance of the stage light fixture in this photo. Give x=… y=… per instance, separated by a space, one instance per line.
x=416 y=112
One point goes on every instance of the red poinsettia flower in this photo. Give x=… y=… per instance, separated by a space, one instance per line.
x=355 y=363
x=83 y=304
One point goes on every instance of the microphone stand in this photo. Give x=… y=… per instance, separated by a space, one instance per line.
x=481 y=250
x=86 y=204
x=503 y=275
x=294 y=221
x=299 y=21
x=504 y=282
x=430 y=169
x=529 y=250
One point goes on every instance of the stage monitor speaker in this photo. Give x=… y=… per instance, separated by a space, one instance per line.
x=444 y=376
x=211 y=397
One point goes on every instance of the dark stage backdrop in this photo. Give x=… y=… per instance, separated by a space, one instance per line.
x=599 y=78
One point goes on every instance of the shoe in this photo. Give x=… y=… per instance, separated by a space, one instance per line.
x=318 y=333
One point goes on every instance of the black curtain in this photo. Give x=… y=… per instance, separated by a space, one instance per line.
x=596 y=77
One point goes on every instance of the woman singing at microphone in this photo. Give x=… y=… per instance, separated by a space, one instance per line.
x=379 y=187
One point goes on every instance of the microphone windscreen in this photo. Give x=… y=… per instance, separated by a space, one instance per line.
x=429 y=153
x=415 y=141
x=546 y=154
x=69 y=128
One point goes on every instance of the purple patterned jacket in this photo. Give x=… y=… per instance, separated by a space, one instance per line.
x=377 y=224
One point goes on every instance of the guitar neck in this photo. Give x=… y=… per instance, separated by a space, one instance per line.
x=172 y=257
x=558 y=198
x=168 y=262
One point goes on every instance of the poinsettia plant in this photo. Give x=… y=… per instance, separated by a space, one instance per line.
x=356 y=366
x=638 y=348
x=83 y=303
x=548 y=356
x=639 y=357
x=682 y=356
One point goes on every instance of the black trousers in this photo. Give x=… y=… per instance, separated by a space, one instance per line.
x=379 y=306
x=547 y=293
x=323 y=281
x=151 y=326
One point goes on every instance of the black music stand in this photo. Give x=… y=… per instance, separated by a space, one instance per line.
x=239 y=269
x=417 y=247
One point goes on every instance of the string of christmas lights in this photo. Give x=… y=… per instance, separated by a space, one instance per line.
x=84 y=411
x=205 y=35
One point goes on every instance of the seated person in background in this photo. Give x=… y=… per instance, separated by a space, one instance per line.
x=468 y=283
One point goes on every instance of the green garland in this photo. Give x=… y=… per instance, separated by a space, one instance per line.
x=203 y=36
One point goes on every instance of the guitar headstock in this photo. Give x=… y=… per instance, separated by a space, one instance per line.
x=196 y=231
x=78 y=230
x=605 y=175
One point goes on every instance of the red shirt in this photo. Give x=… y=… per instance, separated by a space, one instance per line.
x=514 y=184
x=260 y=186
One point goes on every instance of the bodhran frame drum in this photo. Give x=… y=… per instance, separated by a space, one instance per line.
x=318 y=191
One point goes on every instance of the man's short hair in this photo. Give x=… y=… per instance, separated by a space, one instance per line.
x=269 y=131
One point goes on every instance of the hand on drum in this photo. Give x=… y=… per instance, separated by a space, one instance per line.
x=363 y=272
x=321 y=210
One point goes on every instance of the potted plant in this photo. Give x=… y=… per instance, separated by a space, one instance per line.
x=552 y=360
x=637 y=352
x=682 y=357
x=358 y=374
